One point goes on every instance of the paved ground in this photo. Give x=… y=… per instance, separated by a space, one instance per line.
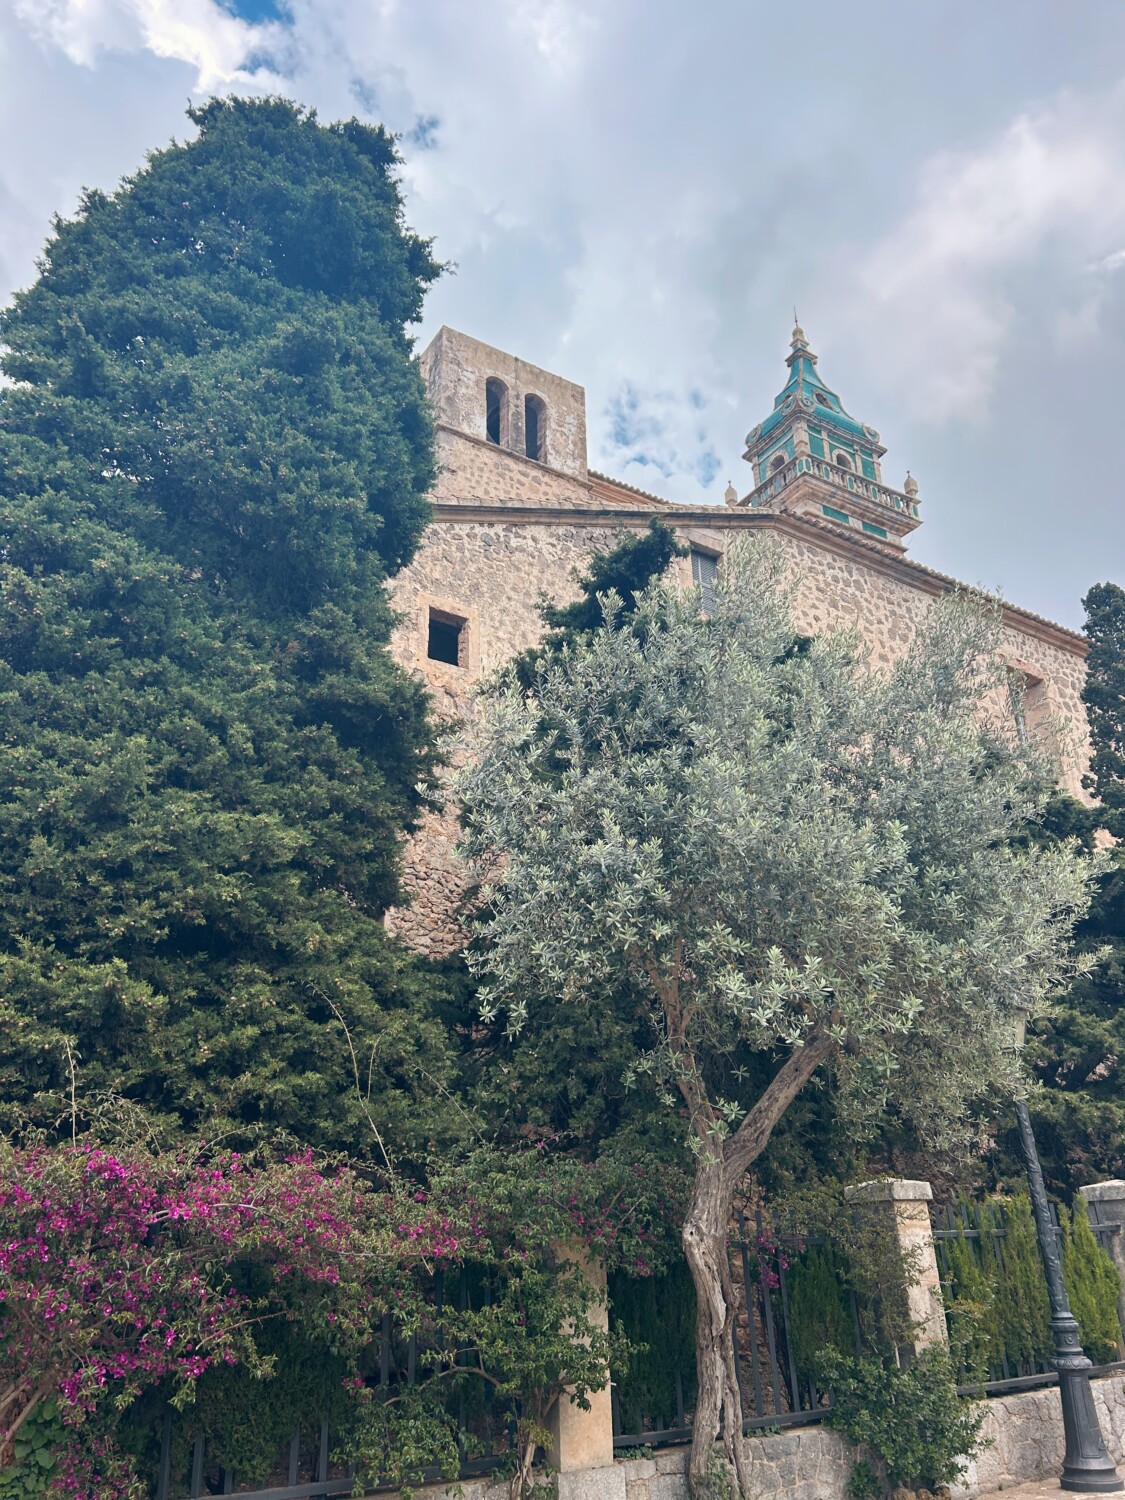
x=1039 y=1489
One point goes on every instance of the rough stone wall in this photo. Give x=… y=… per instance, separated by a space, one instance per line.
x=488 y=570
x=840 y=590
x=811 y=1463
x=1026 y=1436
x=489 y=575
x=456 y=368
x=473 y=471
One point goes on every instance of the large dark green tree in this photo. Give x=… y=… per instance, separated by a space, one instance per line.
x=1079 y=1054
x=1104 y=695
x=214 y=449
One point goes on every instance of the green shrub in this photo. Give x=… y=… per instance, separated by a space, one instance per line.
x=1023 y=1307
x=819 y=1313
x=996 y=1290
x=657 y=1315
x=34 y=1456
x=970 y=1301
x=911 y=1420
x=863 y=1482
x=1093 y=1285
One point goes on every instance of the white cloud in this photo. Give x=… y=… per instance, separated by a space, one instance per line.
x=200 y=33
x=635 y=194
x=940 y=291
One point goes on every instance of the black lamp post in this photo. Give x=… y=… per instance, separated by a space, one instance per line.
x=1087 y=1465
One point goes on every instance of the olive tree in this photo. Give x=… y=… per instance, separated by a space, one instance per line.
x=776 y=849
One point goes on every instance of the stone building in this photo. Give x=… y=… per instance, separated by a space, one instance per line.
x=518 y=514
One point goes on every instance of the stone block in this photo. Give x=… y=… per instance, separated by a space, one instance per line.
x=666 y=1487
x=672 y=1460
x=638 y=1468
x=783 y=1445
x=606 y=1483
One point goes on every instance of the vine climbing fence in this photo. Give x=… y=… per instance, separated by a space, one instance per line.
x=191 y=1461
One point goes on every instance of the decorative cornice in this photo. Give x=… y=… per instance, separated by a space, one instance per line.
x=804 y=528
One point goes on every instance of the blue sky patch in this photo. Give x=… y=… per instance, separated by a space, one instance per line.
x=707 y=467
x=365 y=95
x=257 y=11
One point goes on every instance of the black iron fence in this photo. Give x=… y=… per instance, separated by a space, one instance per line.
x=775 y=1377
x=996 y=1299
x=307 y=1463
x=775 y=1285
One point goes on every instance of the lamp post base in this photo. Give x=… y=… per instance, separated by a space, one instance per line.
x=1087 y=1466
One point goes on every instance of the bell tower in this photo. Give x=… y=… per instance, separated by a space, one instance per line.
x=810 y=457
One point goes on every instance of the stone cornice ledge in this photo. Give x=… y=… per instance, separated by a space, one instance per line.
x=805 y=528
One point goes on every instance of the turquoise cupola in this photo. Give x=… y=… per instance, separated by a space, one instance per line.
x=811 y=457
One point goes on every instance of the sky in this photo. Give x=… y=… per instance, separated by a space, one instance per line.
x=635 y=194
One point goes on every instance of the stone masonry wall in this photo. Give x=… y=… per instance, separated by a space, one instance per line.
x=811 y=1463
x=1026 y=1437
x=473 y=471
x=837 y=590
x=489 y=574
x=456 y=369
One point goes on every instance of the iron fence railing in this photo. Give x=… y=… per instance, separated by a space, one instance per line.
x=304 y=1466
x=973 y=1225
x=776 y=1392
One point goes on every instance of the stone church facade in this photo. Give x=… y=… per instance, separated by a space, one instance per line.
x=518 y=514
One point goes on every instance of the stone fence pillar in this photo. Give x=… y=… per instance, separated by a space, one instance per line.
x=1108 y=1201
x=582 y=1441
x=905 y=1205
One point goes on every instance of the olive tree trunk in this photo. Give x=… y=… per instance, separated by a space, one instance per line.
x=716 y=1474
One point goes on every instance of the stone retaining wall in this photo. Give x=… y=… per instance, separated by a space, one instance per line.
x=808 y=1463
x=1027 y=1436
x=812 y=1463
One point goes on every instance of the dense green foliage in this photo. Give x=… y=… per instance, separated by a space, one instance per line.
x=1104 y=696
x=995 y=1288
x=996 y=1293
x=34 y=1457
x=1093 y=1284
x=1077 y=1051
x=920 y=1432
x=625 y=571
x=819 y=1315
x=561 y=1079
x=773 y=852
x=657 y=1315
x=214 y=450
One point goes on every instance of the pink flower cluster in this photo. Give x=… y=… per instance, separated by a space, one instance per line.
x=119 y=1273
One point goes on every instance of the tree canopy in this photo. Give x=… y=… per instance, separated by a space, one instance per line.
x=776 y=852
x=1104 y=696
x=214 y=448
x=1078 y=1051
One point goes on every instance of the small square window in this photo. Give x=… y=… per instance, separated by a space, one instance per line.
x=445 y=638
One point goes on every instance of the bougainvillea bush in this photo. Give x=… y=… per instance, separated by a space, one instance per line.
x=252 y=1295
x=121 y=1273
